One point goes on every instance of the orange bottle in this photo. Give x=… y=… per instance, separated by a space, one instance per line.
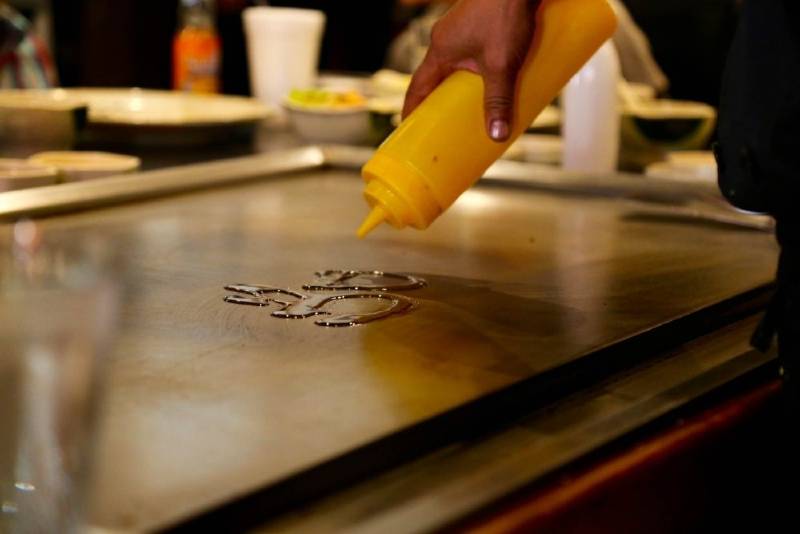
x=196 y=50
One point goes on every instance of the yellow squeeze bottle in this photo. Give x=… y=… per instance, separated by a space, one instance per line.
x=442 y=148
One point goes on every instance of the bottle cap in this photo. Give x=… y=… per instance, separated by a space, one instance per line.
x=399 y=193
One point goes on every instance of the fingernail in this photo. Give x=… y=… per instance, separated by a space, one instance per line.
x=498 y=130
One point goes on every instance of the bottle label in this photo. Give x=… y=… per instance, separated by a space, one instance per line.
x=196 y=61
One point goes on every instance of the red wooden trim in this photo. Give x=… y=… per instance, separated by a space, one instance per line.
x=540 y=510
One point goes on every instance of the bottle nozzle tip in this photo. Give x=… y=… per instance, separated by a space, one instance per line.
x=375 y=217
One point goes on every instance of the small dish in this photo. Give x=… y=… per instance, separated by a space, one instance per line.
x=150 y=117
x=22 y=174
x=77 y=166
x=324 y=116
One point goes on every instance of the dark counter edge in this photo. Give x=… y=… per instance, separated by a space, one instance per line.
x=477 y=417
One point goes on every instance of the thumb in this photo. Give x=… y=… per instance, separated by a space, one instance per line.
x=500 y=87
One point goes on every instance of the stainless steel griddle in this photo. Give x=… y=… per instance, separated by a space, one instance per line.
x=538 y=283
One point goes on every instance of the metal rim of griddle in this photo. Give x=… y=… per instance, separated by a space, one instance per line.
x=430 y=494
x=664 y=198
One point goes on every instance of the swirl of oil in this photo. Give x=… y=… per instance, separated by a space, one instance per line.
x=310 y=305
x=352 y=280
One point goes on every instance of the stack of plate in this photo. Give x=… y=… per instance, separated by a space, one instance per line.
x=143 y=116
x=75 y=166
x=22 y=174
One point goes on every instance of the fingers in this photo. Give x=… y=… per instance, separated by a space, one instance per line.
x=500 y=86
x=427 y=77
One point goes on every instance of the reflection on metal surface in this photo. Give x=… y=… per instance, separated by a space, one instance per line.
x=510 y=300
x=302 y=305
x=90 y=194
x=479 y=201
x=333 y=280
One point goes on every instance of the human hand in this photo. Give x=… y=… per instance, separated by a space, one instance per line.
x=488 y=37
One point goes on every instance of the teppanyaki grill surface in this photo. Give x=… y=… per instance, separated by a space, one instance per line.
x=528 y=294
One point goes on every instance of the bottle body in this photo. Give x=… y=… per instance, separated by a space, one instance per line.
x=591 y=115
x=442 y=148
x=196 y=49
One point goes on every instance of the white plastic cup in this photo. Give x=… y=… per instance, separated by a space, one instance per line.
x=591 y=125
x=282 y=50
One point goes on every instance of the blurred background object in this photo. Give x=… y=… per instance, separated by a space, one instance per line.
x=671 y=55
x=690 y=41
x=283 y=50
x=22 y=174
x=635 y=55
x=637 y=63
x=25 y=60
x=696 y=167
x=134 y=37
x=126 y=42
x=651 y=128
x=31 y=120
x=196 y=48
x=591 y=110
x=59 y=119
x=59 y=306
x=408 y=49
x=76 y=166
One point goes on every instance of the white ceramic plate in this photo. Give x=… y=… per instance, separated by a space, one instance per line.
x=143 y=107
x=154 y=117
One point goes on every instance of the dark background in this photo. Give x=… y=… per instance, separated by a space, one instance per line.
x=690 y=40
x=127 y=42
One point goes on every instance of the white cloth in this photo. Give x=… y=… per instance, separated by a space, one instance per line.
x=635 y=55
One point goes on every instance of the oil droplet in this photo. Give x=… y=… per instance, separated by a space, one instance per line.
x=9 y=507
x=313 y=306
x=25 y=486
x=338 y=280
x=257 y=295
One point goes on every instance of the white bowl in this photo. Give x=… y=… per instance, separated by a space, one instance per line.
x=349 y=126
x=125 y=116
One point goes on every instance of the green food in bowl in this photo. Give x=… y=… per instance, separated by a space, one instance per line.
x=325 y=99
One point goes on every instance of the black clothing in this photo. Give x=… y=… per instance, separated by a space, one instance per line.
x=759 y=131
x=759 y=155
